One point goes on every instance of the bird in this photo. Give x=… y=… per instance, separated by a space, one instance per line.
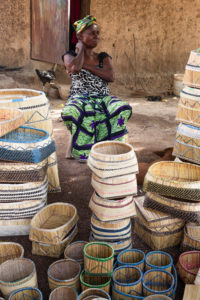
x=45 y=76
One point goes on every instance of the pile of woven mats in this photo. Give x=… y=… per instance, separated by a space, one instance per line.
x=24 y=154
x=114 y=167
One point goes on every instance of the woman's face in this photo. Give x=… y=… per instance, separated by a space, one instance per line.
x=90 y=36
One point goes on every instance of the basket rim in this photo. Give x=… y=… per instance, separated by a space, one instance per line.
x=94 y=289
x=16 y=244
x=127 y=295
x=191 y=238
x=73 y=244
x=112 y=142
x=60 y=287
x=25 y=98
x=96 y=258
x=13 y=109
x=95 y=286
x=63 y=260
x=127 y=267
x=159 y=292
x=131 y=250
x=24 y=289
x=159 y=267
x=182 y=265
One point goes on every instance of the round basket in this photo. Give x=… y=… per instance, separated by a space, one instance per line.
x=193 y=230
x=10 y=250
x=178 y=84
x=174 y=179
x=95 y=281
x=128 y=279
x=91 y=294
x=158 y=260
x=26 y=294
x=131 y=257
x=192 y=70
x=98 y=258
x=64 y=272
x=190 y=242
x=16 y=274
x=112 y=158
x=75 y=251
x=10 y=119
x=63 y=293
x=188 y=266
x=158 y=282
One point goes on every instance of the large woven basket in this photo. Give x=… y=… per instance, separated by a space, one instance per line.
x=192 y=70
x=16 y=274
x=175 y=179
x=10 y=250
x=188 y=266
x=26 y=294
x=179 y=208
x=64 y=272
x=193 y=230
x=95 y=281
x=189 y=106
x=75 y=251
x=111 y=158
x=109 y=210
x=115 y=187
x=132 y=257
x=10 y=119
x=55 y=250
x=187 y=143
x=63 y=293
x=93 y=293
x=190 y=243
x=12 y=227
x=53 y=223
x=158 y=260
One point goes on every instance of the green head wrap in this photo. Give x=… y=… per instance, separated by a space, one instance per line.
x=84 y=23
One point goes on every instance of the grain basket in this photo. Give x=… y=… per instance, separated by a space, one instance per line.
x=12 y=227
x=178 y=208
x=26 y=294
x=131 y=257
x=158 y=260
x=98 y=258
x=175 y=179
x=192 y=70
x=128 y=279
x=191 y=292
x=193 y=230
x=26 y=144
x=63 y=293
x=189 y=106
x=64 y=272
x=75 y=251
x=111 y=158
x=53 y=223
x=190 y=243
x=10 y=250
x=10 y=119
x=90 y=294
x=109 y=210
x=197 y=279
x=188 y=266
x=115 y=187
x=16 y=274
x=95 y=281
x=55 y=250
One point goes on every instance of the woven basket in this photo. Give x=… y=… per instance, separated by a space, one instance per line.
x=179 y=208
x=157 y=297
x=111 y=158
x=128 y=279
x=90 y=294
x=10 y=250
x=15 y=227
x=190 y=242
x=158 y=260
x=109 y=210
x=193 y=230
x=197 y=278
x=131 y=257
x=75 y=251
x=188 y=266
x=115 y=187
x=10 y=119
x=63 y=293
x=112 y=235
x=26 y=294
x=16 y=274
x=64 y=272
x=117 y=295
x=175 y=179
x=53 y=223
x=98 y=258
x=54 y=250
x=192 y=70
x=52 y=173
x=158 y=240
x=189 y=106
x=187 y=144
x=95 y=281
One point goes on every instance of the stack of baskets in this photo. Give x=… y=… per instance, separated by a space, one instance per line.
x=53 y=228
x=114 y=166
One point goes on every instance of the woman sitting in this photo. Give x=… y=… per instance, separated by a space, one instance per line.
x=91 y=114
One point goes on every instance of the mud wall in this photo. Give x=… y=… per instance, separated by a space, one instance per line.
x=149 y=40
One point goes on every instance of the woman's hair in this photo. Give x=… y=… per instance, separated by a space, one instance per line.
x=84 y=23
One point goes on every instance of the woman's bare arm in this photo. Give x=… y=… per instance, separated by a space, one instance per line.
x=74 y=64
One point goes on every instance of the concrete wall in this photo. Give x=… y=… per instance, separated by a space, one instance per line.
x=149 y=40
x=14 y=32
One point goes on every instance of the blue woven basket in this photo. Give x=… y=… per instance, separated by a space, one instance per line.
x=158 y=260
x=132 y=257
x=123 y=296
x=26 y=144
x=26 y=294
x=94 y=292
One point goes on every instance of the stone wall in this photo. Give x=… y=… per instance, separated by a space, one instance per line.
x=149 y=40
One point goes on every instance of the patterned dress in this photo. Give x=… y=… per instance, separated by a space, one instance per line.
x=91 y=114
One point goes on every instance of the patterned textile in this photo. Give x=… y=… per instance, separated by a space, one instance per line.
x=84 y=23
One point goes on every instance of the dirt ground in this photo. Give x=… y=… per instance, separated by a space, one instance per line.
x=151 y=127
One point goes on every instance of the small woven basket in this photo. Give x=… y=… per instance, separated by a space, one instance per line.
x=188 y=266
x=95 y=281
x=63 y=293
x=93 y=293
x=193 y=230
x=131 y=257
x=190 y=243
x=192 y=69
x=26 y=294
x=10 y=250
x=158 y=260
x=75 y=251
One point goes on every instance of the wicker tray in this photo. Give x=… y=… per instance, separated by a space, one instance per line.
x=10 y=119
x=174 y=179
x=192 y=70
x=53 y=223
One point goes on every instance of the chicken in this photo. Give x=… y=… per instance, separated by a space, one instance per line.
x=45 y=76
